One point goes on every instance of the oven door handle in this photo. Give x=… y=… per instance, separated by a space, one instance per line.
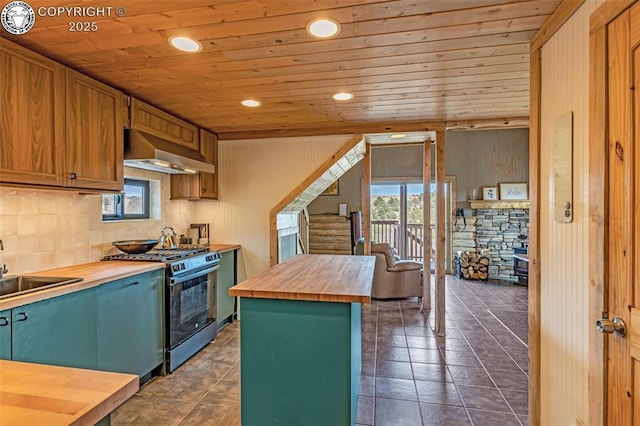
x=182 y=278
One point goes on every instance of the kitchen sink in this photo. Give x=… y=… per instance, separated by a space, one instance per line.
x=21 y=284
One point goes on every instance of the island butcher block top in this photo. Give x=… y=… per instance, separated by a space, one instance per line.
x=34 y=394
x=313 y=277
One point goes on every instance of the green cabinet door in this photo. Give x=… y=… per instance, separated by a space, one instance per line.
x=5 y=334
x=57 y=331
x=226 y=279
x=130 y=331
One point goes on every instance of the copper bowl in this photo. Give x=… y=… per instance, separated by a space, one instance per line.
x=135 y=246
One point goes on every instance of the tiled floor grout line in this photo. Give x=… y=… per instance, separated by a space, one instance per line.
x=480 y=360
x=508 y=329
x=411 y=364
x=488 y=331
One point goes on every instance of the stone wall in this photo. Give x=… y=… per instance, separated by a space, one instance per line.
x=463 y=236
x=497 y=230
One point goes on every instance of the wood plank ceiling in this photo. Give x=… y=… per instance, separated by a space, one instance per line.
x=409 y=63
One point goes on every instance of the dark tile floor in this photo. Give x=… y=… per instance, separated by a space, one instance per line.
x=477 y=374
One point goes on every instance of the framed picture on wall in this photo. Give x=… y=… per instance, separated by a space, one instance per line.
x=513 y=191
x=489 y=193
x=331 y=189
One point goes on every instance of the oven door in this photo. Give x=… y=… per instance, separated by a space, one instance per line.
x=191 y=304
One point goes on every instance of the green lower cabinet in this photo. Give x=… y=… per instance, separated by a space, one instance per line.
x=130 y=333
x=226 y=278
x=5 y=334
x=300 y=362
x=57 y=331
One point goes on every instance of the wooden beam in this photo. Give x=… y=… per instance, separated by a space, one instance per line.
x=366 y=201
x=440 y=235
x=562 y=14
x=426 y=220
x=534 y=240
x=607 y=12
x=488 y=124
x=273 y=233
x=598 y=158
x=337 y=129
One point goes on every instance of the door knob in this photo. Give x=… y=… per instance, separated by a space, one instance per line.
x=616 y=325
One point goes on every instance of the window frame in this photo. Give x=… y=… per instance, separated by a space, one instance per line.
x=119 y=202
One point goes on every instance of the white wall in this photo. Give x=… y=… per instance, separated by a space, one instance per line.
x=45 y=229
x=254 y=176
x=564 y=248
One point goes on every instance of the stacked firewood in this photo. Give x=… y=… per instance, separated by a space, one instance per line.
x=473 y=266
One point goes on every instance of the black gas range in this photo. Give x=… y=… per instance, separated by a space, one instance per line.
x=190 y=299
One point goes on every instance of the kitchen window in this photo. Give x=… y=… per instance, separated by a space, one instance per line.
x=132 y=204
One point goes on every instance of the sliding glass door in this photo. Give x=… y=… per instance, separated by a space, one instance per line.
x=397 y=217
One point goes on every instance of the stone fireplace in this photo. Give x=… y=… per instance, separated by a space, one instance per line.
x=493 y=232
x=497 y=230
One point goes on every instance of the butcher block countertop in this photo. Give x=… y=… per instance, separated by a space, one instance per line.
x=35 y=394
x=93 y=274
x=314 y=277
x=223 y=248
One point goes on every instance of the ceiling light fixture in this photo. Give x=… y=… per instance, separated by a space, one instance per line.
x=185 y=44
x=343 y=96
x=398 y=136
x=323 y=28
x=250 y=103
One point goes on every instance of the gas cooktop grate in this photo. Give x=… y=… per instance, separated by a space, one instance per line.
x=157 y=255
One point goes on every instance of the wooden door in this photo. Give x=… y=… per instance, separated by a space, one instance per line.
x=623 y=234
x=209 y=181
x=94 y=145
x=31 y=117
x=203 y=185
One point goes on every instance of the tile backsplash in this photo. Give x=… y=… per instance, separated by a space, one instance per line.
x=44 y=229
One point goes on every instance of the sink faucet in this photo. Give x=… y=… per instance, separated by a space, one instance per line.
x=3 y=269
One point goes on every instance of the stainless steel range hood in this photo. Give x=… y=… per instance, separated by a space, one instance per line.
x=145 y=151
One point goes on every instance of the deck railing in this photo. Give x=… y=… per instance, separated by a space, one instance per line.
x=388 y=231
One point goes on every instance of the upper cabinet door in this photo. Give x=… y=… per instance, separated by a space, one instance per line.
x=209 y=181
x=94 y=145
x=31 y=117
x=159 y=123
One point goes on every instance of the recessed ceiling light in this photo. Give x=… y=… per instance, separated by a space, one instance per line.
x=343 y=96
x=323 y=28
x=398 y=136
x=250 y=103
x=185 y=44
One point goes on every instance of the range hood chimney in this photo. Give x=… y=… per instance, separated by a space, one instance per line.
x=145 y=151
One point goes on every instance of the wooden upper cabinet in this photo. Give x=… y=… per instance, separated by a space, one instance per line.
x=209 y=181
x=31 y=117
x=159 y=123
x=203 y=186
x=94 y=142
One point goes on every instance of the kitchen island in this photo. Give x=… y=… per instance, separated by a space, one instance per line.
x=300 y=337
x=34 y=394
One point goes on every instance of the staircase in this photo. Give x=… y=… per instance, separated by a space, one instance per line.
x=329 y=234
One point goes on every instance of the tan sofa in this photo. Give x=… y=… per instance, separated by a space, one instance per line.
x=393 y=278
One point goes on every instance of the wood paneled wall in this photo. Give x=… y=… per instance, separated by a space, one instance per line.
x=255 y=174
x=564 y=247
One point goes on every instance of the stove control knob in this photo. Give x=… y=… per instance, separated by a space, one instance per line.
x=176 y=268
x=182 y=266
